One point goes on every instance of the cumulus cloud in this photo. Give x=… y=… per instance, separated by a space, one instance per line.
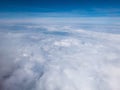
x=58 y=57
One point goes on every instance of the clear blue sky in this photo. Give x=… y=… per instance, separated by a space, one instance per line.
x=61 y=8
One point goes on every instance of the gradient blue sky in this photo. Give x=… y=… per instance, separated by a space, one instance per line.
x=60 y=8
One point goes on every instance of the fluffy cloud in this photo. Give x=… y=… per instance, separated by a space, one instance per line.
x=58 y=57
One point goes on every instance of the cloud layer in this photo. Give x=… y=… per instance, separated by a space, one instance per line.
x=58 y=57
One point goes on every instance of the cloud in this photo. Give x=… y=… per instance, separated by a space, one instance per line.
x=41 y=58
x=66 y=42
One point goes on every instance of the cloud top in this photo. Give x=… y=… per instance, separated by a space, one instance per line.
x=41 y=58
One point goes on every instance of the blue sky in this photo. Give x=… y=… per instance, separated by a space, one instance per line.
x=60 y=8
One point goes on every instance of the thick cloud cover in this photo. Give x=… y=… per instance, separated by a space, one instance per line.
x=58 y=57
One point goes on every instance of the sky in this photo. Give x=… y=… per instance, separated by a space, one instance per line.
x=59 y=44
x=60 y=8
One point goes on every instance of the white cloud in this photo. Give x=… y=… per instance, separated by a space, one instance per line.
x=78 y=60
x=66 y=42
